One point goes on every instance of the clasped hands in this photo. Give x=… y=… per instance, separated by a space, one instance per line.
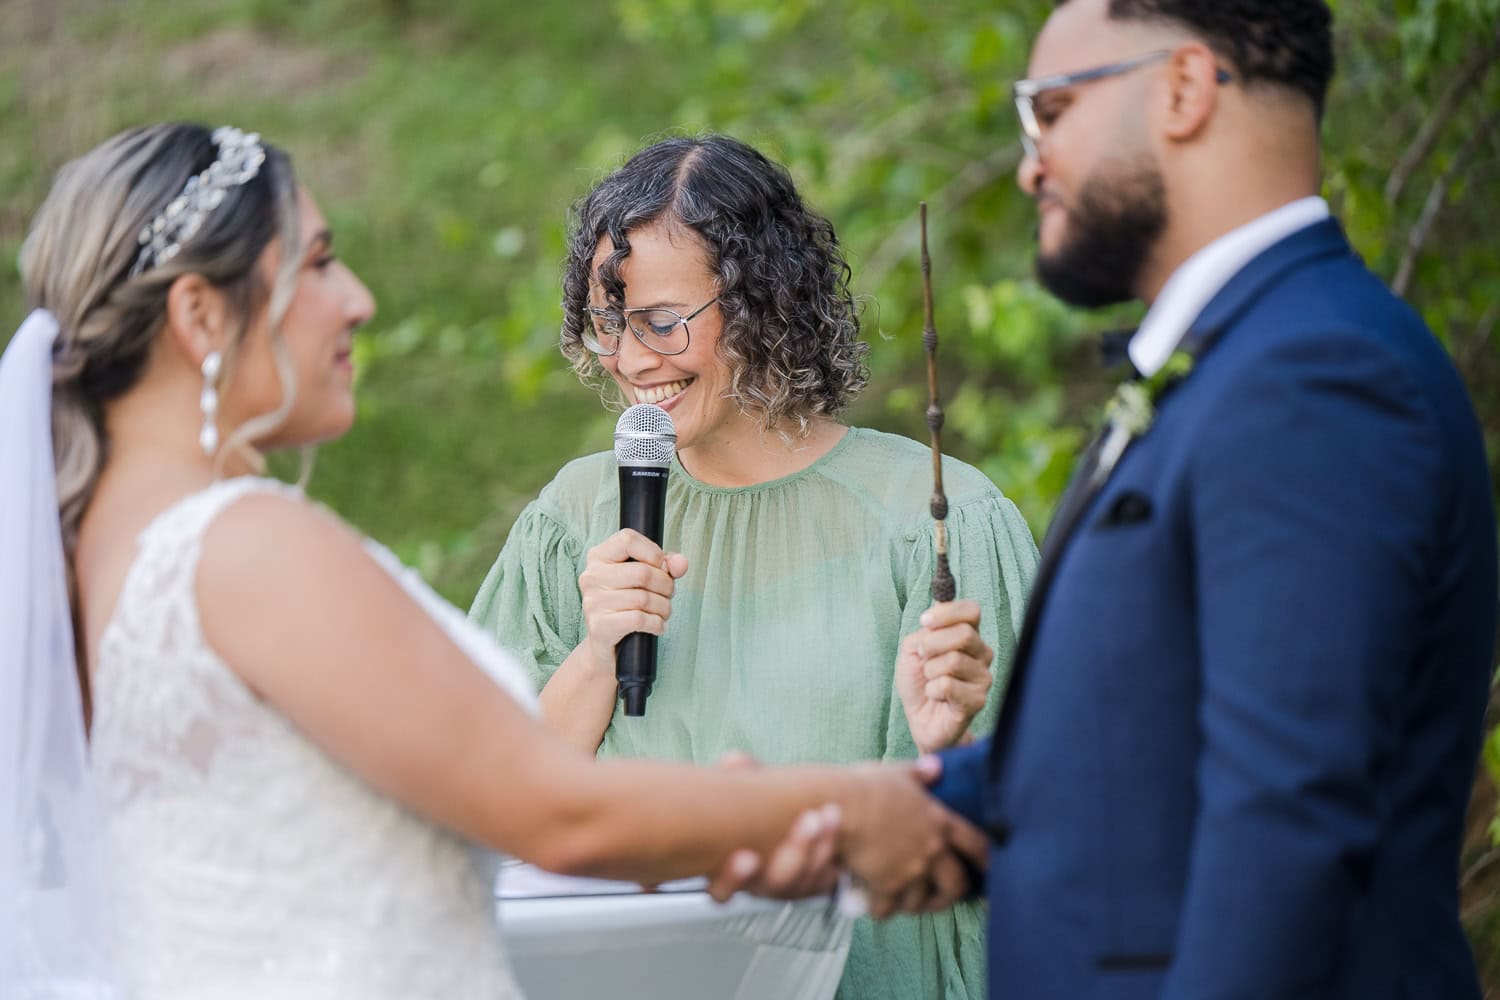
x=909 y=853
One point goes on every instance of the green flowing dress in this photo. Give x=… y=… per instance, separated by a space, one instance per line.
x=784 y=633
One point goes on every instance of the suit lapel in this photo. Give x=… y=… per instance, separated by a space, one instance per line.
x=1321 y=239
x=1082 y=488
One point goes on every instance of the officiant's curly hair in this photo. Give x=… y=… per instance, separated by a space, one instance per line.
x=1280 y=42
x=791 y=325
x=77 y=262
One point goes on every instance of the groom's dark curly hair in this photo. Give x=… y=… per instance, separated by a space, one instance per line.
x=1283 y=42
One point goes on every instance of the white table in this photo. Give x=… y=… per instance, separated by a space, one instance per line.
x=575 y=939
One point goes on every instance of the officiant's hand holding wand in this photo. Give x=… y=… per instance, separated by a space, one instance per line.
x=943 y=669
x=943 y=675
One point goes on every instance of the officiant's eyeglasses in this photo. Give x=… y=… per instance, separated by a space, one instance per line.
x=665 y=331
x=1025 y=93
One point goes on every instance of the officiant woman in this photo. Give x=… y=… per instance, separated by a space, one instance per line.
x=792 y=598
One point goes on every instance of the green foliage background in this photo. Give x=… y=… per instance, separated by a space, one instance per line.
x=446 y=138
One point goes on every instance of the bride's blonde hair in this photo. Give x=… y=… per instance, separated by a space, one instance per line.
x=77 y=262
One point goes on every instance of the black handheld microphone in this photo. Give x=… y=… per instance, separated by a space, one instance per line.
x=644 y=443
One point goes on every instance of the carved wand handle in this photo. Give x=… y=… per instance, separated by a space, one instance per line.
x=943 y=587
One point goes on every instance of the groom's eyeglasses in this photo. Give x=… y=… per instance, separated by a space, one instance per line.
x=1025 y=92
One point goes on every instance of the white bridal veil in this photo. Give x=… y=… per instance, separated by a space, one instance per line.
x=54 y=923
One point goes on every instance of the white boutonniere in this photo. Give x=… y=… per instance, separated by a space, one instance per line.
x=1133 y=406
x=1132 y=410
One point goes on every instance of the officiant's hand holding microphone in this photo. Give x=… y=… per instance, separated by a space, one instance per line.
x=626 y=587
x=625 y=590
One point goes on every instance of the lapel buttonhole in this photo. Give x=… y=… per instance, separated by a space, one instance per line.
x=1128 y=508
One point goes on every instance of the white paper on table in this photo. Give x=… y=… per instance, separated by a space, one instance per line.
x=522 y=881
x=518 y=880
x=571 y=937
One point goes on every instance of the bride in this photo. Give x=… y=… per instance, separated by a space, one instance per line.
x=292 y=742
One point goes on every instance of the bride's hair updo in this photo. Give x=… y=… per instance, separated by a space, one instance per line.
x=77 y=262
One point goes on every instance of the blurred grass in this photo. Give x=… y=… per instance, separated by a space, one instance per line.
x=445 y=142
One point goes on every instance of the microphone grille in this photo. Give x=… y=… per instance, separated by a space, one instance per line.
x=644 y=435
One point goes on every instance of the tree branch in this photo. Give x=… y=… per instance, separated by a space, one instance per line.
x=1474 y=870
x=1434 y=204
x=968 y=182
x=1479 y=907
x=1471 y=352
x=1427 y=136
x=893 y=132
x=1486 y=324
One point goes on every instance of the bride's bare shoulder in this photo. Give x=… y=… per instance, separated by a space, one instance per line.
x=283 y=585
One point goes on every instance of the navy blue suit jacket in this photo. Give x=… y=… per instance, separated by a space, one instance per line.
x=1246 y=709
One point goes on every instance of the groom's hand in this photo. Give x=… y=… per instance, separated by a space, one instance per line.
x=917 y=883
x=970 y=847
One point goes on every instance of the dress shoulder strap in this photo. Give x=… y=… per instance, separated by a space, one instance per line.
x=156 y=606
x=186 y=521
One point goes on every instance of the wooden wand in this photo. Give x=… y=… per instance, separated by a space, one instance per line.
x=943 y=587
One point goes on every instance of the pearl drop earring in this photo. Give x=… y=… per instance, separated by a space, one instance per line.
x=208 y=402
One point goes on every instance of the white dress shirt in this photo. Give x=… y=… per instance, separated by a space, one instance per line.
x=1205 y=273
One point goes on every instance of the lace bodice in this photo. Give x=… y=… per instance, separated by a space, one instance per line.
x=246 y=863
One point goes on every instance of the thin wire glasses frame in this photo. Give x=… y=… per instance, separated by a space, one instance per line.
x=1025 y=91
x=655 y=335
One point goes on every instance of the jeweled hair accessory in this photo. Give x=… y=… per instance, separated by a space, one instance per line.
x=239 y=160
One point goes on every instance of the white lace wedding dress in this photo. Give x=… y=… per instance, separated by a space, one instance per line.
x=246 y=863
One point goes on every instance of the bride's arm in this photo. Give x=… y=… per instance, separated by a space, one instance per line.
x=293 y=603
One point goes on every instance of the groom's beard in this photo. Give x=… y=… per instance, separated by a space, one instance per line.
x=1120 y=213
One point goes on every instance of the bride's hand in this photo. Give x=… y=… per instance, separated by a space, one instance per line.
x=803 y=864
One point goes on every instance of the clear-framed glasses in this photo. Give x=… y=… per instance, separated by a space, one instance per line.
x=1025 y=92
x=663 y=330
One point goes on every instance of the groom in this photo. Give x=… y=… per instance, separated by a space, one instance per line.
x=1245 y=709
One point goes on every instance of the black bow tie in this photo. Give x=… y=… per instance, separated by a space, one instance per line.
x=1114 y=350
